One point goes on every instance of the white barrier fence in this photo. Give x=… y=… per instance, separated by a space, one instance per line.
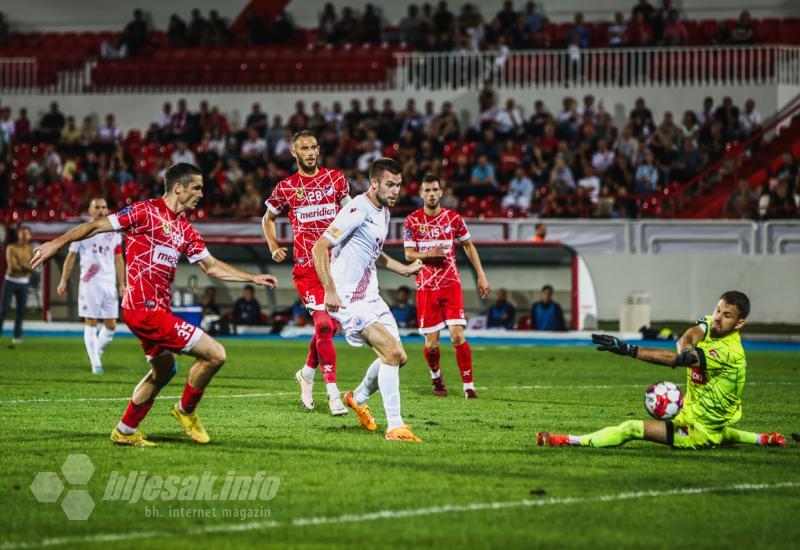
x=603 y=67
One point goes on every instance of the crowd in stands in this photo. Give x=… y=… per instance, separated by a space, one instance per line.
x=571 y=162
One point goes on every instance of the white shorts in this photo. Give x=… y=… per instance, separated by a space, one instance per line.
x=357 y=316
x=98 y=301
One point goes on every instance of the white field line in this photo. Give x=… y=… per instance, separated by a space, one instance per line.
x=390 y=515
x=278 y=394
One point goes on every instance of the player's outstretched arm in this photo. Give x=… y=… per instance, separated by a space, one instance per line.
x=277 y=251
x=322 y=264
x=606 y=342
x=472 y=255
x=406 y=270
x=693 y=336
x=226 y=272
x=433 y=255
x=83 y=231
x=69 y=263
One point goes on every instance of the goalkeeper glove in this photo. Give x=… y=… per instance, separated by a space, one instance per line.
x=613 y=344
x=686 y=357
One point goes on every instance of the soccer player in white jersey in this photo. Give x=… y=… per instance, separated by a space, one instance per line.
x=102 y=276
x=356 y=236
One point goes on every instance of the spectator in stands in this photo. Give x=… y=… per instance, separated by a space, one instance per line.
x=370 y=27
x=254 y=30
x=51 y=125
x=788 y=168
x=6 y=126
x=668 y=129
x=618 y=31
x=689 y=128
x=177 y=31
x=782 y=203
x=327 y=24
x=674 y=32
x=282 y=154
x=180 y=122
x=509 y=122
x=603 y=158
x=251 y=199
x=728 y=115
x=579 y=30
x=254 y=150
x=639 y=31
x=520 y=191
x=88 y=131
x=335 y=117
x=501 y=315
x=217 y=29
x=647 y=175
x=743 y=31
x=546 y=314
x=644 y=8
x=561 y=180
x=3 y=30
x=404 y=313
x=689 y=162
x=346 y=27
x=247 y=310
x=750 y=120
x=210 y=310
x=22 y=126
x=741 y=203
x=590 y=183
x=533 y=19
x=300 y=315
x=626 y=144
x=483 y=179
x=183 y=154
x=299 y=119
x=197 y=32
x=71 y=134
x=110 y=134
x=621 y=174
x=706 y=114
x=282 y=28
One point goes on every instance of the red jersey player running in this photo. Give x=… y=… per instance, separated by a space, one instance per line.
x=313 y=196
x=430 y=236
x=157 y=235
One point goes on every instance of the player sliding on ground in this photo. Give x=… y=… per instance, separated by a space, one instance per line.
x=102 y=274
x=313 y=196
x=351 y=292
x=430 y=235
x=157 y=235
x=712 y=351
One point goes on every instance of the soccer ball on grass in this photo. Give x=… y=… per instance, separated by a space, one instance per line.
x=663 y=400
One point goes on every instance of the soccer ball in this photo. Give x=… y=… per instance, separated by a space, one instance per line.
x=663 y=400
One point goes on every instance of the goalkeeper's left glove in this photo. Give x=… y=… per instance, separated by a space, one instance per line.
x=613 y=344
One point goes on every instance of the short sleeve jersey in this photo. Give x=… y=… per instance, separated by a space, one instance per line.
x=714 y=389
x=358 y=232
x=312 y=204
x=97 y=258
x=155 y=239
x=423 y=232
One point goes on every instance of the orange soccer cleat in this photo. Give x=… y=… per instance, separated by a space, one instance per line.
x=363 y=412
x=546 y=439
x=403 y=433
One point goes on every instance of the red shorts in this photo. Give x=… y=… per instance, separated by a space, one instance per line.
x=309 y=287
x=160 y=331
x=437 y=308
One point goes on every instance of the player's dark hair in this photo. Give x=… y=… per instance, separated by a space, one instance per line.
x=404 y=288
x=738 y=299
x=251 y=288
x=302 y=134
x=432 y=178
x=181 y=172
x=548 y=287
x=384 y=164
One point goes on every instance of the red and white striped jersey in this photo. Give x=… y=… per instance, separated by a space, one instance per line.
x=155 y=239
x=312 y=204
x=423 y=232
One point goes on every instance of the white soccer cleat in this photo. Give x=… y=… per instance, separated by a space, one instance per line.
x=306 y=393
x=337 y=407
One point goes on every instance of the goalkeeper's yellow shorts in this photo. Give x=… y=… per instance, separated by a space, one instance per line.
x=684 y=433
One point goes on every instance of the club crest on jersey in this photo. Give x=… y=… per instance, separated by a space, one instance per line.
x=713 y=353
x=300 y=193
x=358 y=323
x=165 y=228
x=422 y=230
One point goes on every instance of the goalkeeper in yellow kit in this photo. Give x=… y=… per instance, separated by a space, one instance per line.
x=712 y=351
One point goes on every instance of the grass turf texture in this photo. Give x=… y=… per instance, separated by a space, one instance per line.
x=480 y=451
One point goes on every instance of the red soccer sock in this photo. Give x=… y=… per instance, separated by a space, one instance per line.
x=326 y=352
x=190 y=398
x=432 y=356
x=464 y=359
x=134 y=414
x=312 y=360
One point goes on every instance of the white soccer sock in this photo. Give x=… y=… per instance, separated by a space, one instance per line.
x=103 y=339
x=332 y=389
x=469 y=386
x=308 y=374
x=127 y=430
x=574 y=440
x=389 y=384
x=435 y=374
x=90 y=339
x=369 y=384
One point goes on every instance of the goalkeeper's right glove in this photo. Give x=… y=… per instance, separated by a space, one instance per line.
x=613 y=344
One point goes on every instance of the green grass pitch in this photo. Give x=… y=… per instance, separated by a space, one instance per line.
x=478 y=479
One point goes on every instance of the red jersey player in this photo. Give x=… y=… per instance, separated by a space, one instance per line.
x=430 y=235
x=157 y=235
x=313 y=196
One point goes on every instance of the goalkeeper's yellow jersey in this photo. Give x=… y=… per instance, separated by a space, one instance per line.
x=714 y=389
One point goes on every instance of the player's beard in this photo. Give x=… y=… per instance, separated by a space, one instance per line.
x=306 y=168
x=385 y=200
x=435 y=205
